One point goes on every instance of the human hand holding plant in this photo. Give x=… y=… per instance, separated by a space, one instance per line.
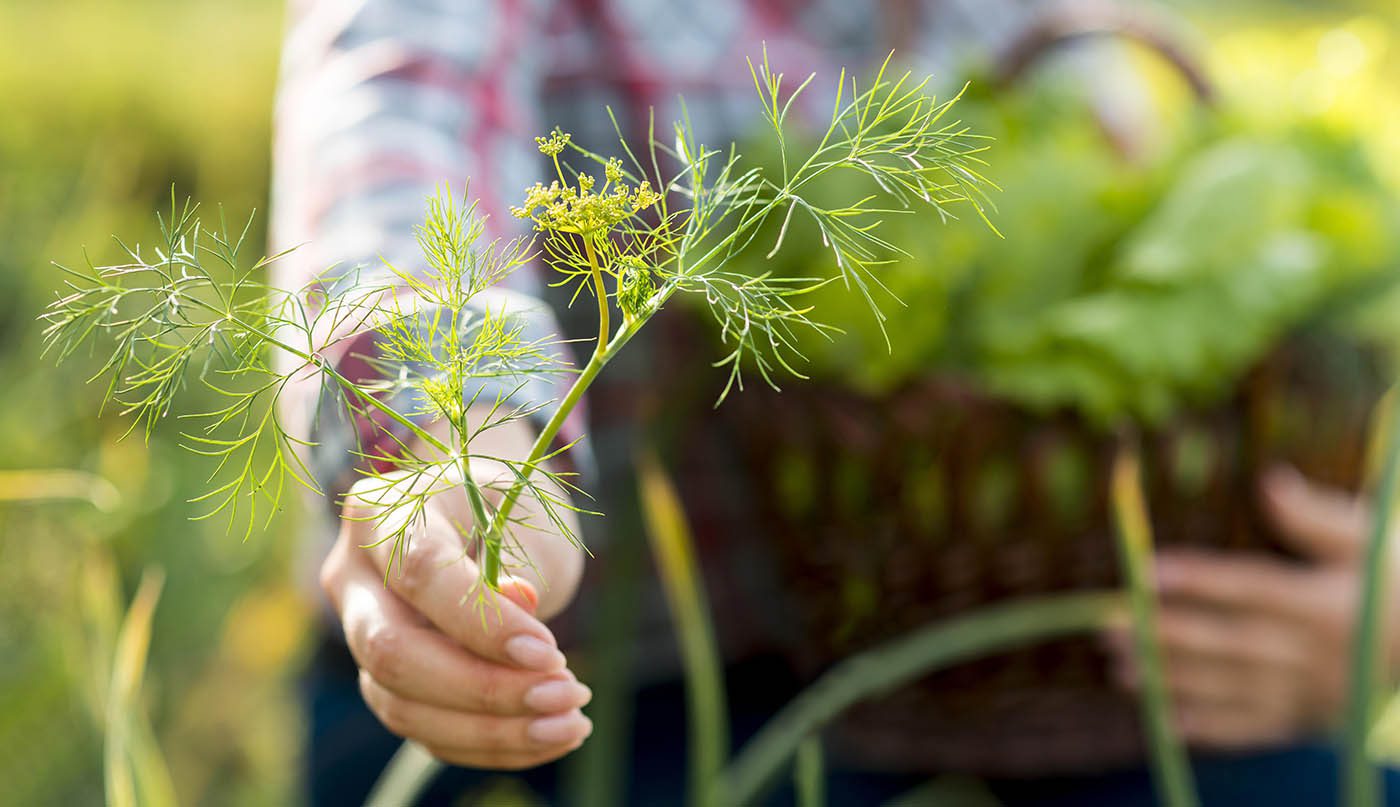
x=480 y=690
x=1257 y=647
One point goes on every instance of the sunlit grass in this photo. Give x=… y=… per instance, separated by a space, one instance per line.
x=107 y=103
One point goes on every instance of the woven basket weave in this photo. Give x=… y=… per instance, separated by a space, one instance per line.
x=891 y=513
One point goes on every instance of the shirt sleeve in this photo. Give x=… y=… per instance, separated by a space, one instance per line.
x=381 y=104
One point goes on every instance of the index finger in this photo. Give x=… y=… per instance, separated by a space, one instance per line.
x=1243 y=582
x=430 y=570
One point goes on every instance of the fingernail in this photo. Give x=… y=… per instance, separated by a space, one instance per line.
x=559 y=729
x=556 y=696
x=533 y=653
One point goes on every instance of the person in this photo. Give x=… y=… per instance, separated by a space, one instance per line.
x=381 y=102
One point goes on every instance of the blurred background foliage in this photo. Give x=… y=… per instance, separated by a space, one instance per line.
x=1159 y=245
x=106 y=104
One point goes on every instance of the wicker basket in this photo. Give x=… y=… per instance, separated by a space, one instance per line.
x=891 y=513
x=888 y=513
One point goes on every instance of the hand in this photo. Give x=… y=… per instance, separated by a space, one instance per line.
x=484 y=689
x=1257 y=648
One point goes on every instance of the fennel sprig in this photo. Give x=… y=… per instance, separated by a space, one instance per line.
x=632 y=234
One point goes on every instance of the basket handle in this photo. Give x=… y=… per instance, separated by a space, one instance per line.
x=1069 y=22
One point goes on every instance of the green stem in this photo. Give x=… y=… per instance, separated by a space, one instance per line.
x=490 y=543
x=544 y=441
x=1361 y=780
x=1171 y=768
x=477 y=502
x=979 y=633
x=601 y=292
x=374 y=403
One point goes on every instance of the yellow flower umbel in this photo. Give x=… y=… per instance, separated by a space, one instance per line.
x=592 y=215
x=564 y=208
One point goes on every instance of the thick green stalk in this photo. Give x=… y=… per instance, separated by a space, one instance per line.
x=707 y=708
x=1361 y=780
x=1171 y=767
x=979 y=633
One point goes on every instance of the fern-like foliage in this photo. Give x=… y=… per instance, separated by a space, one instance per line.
x=666 y=221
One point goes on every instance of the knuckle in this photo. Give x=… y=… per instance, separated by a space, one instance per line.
x=359 y=497
x=416 y=567
x=356 y=524
x=383 y=654
x=328 y=578
x=490 y=692
x=501 y=734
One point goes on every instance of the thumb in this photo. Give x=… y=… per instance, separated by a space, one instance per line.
x=521 y=592
x=1325 y=524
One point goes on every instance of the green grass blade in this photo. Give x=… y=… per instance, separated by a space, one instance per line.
x=1171 y=767
x=1361 y=779
x=135 y=770
x=706 y=700
x=405 y=777
x=808 y=776
x=100 y=605
x=983 y=632
x=58 y=484
x=947 y=791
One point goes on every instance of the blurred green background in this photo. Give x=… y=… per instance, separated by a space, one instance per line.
x=105 y=106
